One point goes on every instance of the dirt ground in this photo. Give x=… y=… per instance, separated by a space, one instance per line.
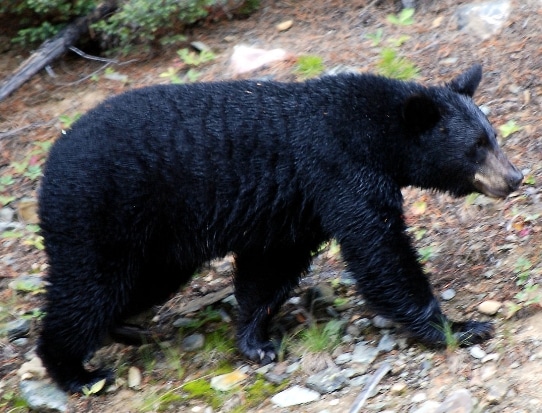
x=475 y=245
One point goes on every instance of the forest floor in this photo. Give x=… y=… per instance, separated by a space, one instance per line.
x=483 y=249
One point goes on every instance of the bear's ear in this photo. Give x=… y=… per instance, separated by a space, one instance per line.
x=421 y=113
x=467 y=82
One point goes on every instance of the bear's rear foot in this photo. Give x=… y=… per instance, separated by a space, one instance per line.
x=469 y=333
x=445 y=332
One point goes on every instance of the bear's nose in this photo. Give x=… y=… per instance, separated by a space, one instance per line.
x=514 y=179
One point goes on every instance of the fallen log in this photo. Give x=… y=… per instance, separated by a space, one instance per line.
x=52 y=48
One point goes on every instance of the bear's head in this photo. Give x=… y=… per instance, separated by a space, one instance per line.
x=454 y=146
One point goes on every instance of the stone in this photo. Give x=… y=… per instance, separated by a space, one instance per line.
x=419 y=397
x=343 y=358
x=386 y=344
x=16 y=329
x=193 y=342
x=228 y=381
x=398 y=388
x=32 y=369
x=134 y=377
x=483 y=19
x=489 y=307
x=285 y=25
x=429 y=406
x=460 y=401
x=183 y=322
x=6 y=214
x=381 y=322
x=477 y=352
x=448 y=294
x=327 y=381
x=294 y=396
x=496 y=391
x=364 y=354
x=43 y=396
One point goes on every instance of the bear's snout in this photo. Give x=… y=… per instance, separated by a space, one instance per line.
x=497 y=177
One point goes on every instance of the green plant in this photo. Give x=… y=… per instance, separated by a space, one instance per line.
x=375 y=37
x=30 y=236
x=528 y=294
x=404 y=18
x=309 y=66
x=509 y=128
x=451 y=339
x=426 y=253
x=173 y=76
x=319 y=339
x=392 y=65
x=398 y=41
x=192 y=58
x=68 y=120
x=13 y=402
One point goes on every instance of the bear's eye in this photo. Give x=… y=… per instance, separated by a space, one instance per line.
x=482 y=141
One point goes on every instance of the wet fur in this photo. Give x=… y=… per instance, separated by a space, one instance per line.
x=151 y=184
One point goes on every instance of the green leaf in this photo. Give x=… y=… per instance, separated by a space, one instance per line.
x=95 y=388
x=404 y=18
x=509 y=128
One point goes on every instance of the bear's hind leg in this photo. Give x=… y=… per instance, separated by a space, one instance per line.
x=263 y=281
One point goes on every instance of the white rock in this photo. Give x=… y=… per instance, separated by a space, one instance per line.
x=477 y=352
x=489 y=307
x=134 y=377
x=419 y=397
x=294 y=396
x=228 y=381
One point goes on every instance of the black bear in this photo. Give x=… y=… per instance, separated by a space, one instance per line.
x=151 y=184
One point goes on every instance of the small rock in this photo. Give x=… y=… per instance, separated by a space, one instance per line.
x=496 y=391
x=183 y=322
x=16 y=329
x=489 y=307
x=448 y=294
x=31 y=369
x=381 y=322
x=43 y=396
x=460 y=401
x=285 y=25
x=193 y=342
x=327 y=381
x=429 y=406
x=228 y=381
x=386 y=344
x=134 y=377
x=419 y=397
x=294 y=396
x=364 y=354
x=200 y=46
x=343 y=358
x=483 y=19
x=398 y=388
x=6 y=214
x=477 y=352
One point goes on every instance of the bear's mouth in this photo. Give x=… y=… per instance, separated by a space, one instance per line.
x=497 y=186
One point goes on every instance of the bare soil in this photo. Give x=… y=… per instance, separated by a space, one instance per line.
x=473 y=245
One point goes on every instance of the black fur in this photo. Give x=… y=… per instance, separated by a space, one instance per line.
x=151 y=184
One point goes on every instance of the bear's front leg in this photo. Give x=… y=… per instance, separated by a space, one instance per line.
x=263 y=281
x=385 y=266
